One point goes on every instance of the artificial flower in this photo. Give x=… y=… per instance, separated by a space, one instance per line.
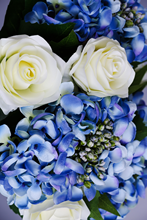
x=101 y=68
x=64 y=211
x=30 y=73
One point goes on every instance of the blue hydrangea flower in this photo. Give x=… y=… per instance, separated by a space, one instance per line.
x=122 y=20
x=77 y=144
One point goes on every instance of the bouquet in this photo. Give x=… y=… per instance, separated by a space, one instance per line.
x=73 y=122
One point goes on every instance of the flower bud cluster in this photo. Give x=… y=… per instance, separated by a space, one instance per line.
x=89 y=151
x=131 y=15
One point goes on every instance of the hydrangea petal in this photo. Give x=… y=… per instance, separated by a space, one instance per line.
x=90 y=192
x=65 y=142
x=34 y=192
x=71 y=104
x=75 y=166
x=60 y=164
x=4 y=133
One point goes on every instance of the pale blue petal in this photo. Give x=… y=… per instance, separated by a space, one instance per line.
x=4 y=133
x=77 y=194
x=140 y=189
x=57 y=180
x=46 y=152
x=127 y=173
x=14 y=182
x=60 y=164
x=110 y=184
x=96 y=180
x=75 y=166
x=120 y=197
x=65 y=142
x=27 y=111
x=34 y=192
x=90 y=192
x=120 y=126
x=21 y=202
x=138 y=44
x=115 y=155
x=32 y=167
x=23 y=146
x=60 y=197
x=61 y=122
x=131 y=32
x=66 y=88
x=71 y=104
x=129 y=134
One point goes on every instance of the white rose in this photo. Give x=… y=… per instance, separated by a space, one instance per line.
x=101 y=68
x=63 y=211
x=30 y=73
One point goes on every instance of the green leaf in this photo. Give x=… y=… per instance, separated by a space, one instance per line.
x=29 y=5
x=2 y=115
x=12 y=18
x=135 y=64
x=139 y=75
x=48 y=32
x=104 y=203
x=66 y=47
x=93 y=207
x=15 y=210
x=136 y=88
x=141 y=128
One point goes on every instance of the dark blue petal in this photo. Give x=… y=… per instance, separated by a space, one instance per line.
x=130 y=55
x=47 y=190
x=31 y=17
x=40 y=8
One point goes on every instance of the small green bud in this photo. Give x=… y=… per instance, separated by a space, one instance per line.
x=88 y=169
x=90 y=143
x=106 y=121
x=129 y=23
x=87 y=184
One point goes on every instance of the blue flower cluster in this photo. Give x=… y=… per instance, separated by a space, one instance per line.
x=123 y=20
x=77 y=145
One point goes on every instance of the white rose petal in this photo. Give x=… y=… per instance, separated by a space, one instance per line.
x=30 y=73
x=101 y=68
x=63 y=211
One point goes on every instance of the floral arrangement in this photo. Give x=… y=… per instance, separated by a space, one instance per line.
x=73 y=122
